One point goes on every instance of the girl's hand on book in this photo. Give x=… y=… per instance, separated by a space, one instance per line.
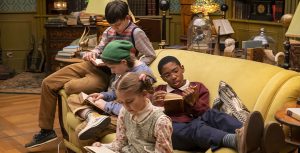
x=96 y=144
x=100 y=103
x=96 y=96
x=158 y=98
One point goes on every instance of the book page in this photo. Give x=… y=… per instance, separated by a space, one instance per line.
x=101 y=149
x=98 y=62
x=293 y=112
x=225 y=26
x=85 y=98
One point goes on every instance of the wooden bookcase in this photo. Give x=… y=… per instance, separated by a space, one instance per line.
x=244 y=27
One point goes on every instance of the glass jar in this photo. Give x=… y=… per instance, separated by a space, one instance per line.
x=199 y=34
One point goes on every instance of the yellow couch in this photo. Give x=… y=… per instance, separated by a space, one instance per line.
x=262 y=87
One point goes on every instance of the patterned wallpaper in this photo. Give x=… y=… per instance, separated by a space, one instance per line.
x=174 y=6
x=17 y=6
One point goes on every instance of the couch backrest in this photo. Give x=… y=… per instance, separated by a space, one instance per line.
x=257 y=84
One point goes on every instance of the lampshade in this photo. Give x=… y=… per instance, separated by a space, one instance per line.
x=60 y=5
x=97 y=7
x=294 y=30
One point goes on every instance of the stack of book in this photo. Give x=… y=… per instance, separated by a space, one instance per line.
x=85 y=19
x=68 y=51
x=294 y=113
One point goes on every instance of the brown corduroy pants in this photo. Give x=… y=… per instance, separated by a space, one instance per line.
x=74 y=78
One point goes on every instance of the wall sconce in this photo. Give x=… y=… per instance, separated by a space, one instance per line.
x=60 y=5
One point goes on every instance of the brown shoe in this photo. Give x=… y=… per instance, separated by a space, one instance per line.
x=249 y=136
x=273 y=138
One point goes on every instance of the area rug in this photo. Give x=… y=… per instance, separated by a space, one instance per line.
x=24 y=82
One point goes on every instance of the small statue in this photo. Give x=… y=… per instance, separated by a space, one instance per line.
x=229 y=47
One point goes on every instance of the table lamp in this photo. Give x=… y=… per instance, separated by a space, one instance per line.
x=292 y=60
x=60 y=5
x=97 y=7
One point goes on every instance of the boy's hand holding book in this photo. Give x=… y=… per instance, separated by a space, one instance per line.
x=98 y=62
x=159 y=97
x=191 y=95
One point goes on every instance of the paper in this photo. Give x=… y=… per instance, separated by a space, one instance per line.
x=225 y=26
x=101 y=149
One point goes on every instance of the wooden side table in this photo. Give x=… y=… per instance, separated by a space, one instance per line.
x=293 y=124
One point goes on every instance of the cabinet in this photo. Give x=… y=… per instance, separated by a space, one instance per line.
x=59 y=36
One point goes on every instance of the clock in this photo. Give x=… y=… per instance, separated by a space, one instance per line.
x=261 y=8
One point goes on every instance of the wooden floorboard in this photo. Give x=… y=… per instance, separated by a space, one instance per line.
x=19 y=122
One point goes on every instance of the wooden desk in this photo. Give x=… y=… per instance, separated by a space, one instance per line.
x=293 y=124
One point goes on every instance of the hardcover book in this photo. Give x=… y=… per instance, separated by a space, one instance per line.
x=84 y=98
x=225 y=26
x=173 y=104
x=71 y=48
x=294 y=113
x=101 y=149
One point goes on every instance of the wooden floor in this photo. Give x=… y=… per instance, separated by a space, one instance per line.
x=19 y=122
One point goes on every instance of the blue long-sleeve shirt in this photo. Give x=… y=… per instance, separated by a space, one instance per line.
x=113 y=107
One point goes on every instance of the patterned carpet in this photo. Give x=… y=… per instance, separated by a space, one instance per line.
x=24 y=82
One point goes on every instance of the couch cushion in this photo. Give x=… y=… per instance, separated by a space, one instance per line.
x=229 y=102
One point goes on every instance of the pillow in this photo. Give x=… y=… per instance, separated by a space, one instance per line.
x=229 y=103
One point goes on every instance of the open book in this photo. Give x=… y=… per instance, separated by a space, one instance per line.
x=84 y=98
x=294 y=113
x=225 y=26
x=98 y=62
x=101 y=149
x=173 y=104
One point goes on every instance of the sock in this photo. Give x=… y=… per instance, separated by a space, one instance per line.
x=229 y=140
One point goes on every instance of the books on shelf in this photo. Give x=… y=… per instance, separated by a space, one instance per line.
x=294 y=113
x=173 y=103
x=225 y=26
x=101 y=149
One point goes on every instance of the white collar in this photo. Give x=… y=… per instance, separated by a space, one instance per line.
x=185 y=86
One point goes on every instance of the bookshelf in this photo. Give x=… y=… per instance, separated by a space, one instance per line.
x=144 y=7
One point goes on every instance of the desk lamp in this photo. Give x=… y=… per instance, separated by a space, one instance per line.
x=97 y=7
x=292 y=56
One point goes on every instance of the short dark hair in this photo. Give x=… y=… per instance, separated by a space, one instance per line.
x=116 y=10
x=165 y=61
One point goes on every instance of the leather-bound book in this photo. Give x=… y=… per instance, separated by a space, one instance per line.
x=173 y=104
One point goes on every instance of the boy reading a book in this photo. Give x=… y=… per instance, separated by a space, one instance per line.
x=141 y=127
x=198 y=127
x=118 y=55
x=86 y=76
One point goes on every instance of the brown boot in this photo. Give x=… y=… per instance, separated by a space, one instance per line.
x=273 y=138
x=249 y=136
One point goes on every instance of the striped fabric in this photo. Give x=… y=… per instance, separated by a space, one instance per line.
x=229 y=103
